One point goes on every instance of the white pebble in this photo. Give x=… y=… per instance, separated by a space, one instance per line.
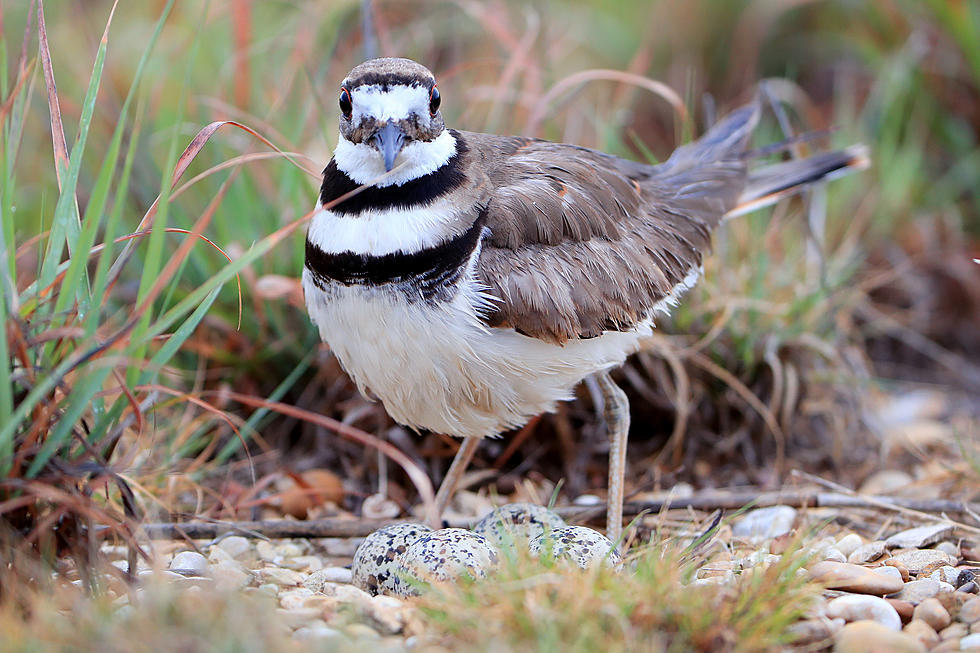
x=766 y=522
x=854 y=607
x=849 y=543
x=970 y=641
x=189 y=563
x=834 y=555
x=235 y=545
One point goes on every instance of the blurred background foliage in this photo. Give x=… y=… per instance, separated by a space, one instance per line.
x=808 y=314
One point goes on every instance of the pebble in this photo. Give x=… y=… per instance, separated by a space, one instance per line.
x=903 y=571
x=266 y=551
x=361 y=631
x=948 y=547
x=853 y=578
x=313 y=632
x=766 y=522
x=811 y=631
x=849 y=544
x=234 y=545
x=297 y=617
x=579 y=544
x=887 y=482
x=280 y=576
x=295 y=598
x=917 y=591
x=377 y=557
x=916 y=560
x=341 y=591
x=189 y=563
x=833 y=555
x=954 y=631
x=216 y=556
x=969 y=611
x=933 y=613
x=947 y=574
x=856 y=607
x=970 y=641
x=923 y=632
x=891 y=572
x=229 y=576
x=867 y=552
x=916 y=538
x=303 y=563
x=904 y=609
x=587 y=500
x=517 y=523
x=385 y=612
x=378 y=506
x=872 y=637
x=443 y=555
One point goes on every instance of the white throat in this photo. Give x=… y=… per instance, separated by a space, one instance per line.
x=364 y=164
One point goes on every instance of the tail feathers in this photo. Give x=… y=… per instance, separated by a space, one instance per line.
x=772 y=183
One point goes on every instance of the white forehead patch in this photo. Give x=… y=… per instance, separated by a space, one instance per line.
x=396 y=103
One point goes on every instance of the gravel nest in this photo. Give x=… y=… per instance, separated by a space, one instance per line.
x=913 y=589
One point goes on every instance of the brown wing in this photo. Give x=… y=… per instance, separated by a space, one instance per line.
x=583 y=242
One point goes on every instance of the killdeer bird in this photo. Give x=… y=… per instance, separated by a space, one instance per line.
x=478 y=278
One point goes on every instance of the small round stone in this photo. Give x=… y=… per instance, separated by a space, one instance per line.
x=234 y=545
x=872 y=637
x=933 y=613
x=376 y=557
x=583 y=546
x=857 y=607
x=517 y=523
x=443 y=555
x=189 y=563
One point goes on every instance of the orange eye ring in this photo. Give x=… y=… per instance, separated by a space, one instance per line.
x=435 y=99
x=346 y=105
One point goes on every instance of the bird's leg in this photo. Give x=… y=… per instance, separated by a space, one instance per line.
x=462 y=460
x=616 y=409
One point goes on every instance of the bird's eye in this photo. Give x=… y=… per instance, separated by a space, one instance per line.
x=346 y=106
x=434 y=100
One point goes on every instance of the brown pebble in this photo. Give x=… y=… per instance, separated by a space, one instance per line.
x=933 y=613
x=871 y=637
x=947 y=646
x=903 y=608
x=931 y=567
x=812 y=631
x=969 y=612
x=954 y=631
x=853 y=578
x=953 y=601
x=898 y=564
x=780 y=543
x=922 y=632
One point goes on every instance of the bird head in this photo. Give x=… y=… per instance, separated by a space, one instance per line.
x=389 y=104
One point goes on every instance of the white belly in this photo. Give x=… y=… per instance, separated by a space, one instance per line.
x=435 y=365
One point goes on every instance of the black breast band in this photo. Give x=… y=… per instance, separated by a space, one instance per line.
x=422 y=274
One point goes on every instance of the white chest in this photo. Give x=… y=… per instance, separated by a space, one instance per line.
x=435 y=365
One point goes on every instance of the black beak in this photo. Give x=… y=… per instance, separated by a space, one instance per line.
x=389 y=140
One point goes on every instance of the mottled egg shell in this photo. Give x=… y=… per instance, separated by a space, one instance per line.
x=376 y=557
x=517 y=523
x=579 y=544
x=443 y=555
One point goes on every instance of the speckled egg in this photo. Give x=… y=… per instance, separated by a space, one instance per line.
x=579 y=544
x=376 y=557
x=443 y=555
x=517 y=523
